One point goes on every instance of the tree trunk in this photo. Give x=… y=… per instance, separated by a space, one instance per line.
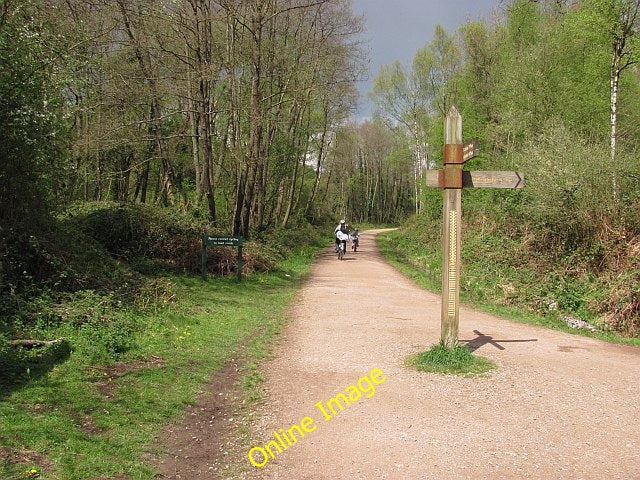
x=292 y=190
x=280 y=201
x=168 y=184
x=207 y=148
x=194 y=124
x=203 y=57
x=255 y=120
x=143 y=179
x=621 y=59
x=321 y=150
x=304 y=160
x=294 y=128
x=615 y=80
x=248 y=200
x=239 y=201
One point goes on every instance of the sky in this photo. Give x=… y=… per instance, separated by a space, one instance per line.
x=396 y=29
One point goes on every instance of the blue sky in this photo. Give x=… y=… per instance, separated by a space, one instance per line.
x=396 y=29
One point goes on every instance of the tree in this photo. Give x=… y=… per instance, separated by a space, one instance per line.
x=372 y=167
x=436 y=67
x=406 y=110
x=612 y=25
x=623 y=32
x=409 y=99
x=195 y=103
x=30 y=116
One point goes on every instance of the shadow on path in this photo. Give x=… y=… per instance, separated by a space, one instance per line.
x=482 y=339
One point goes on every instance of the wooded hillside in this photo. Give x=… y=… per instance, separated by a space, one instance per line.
x=237 y=113
x=550 y=88
x=130 y=128
x=224 y=107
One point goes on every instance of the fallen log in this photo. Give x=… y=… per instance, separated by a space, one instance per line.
x=28 y=343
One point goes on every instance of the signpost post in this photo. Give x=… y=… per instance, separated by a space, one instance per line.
x=451 y=182
x=452 y=179
x=222 y=242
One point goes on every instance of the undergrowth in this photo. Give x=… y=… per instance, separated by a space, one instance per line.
x=135 y=332
x=508 y=273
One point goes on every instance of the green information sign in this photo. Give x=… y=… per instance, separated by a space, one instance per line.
x=223 y=241
x=227 y=241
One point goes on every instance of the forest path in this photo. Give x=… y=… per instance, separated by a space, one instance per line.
x=558 y=405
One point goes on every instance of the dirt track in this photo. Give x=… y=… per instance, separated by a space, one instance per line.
x=558 y=406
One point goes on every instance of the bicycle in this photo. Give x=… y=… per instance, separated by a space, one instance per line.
x=342 y=244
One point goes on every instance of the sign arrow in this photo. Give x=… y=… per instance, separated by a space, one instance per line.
x=479 y=179
x=470 y=150
x=492 y=179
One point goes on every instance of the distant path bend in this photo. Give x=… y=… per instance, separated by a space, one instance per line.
x=558 y=406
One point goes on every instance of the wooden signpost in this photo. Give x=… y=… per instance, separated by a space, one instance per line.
x=452 y=179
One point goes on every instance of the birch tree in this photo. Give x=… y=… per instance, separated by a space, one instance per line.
x=623 y=55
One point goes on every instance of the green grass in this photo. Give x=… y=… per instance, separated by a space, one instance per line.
x=98 y=419
x=420 y=260
x=457 y=360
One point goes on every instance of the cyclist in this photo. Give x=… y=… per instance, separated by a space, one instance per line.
x=342 y=234
x=355 y=239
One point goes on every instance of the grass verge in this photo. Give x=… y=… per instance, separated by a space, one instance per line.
x=98 y=419
x=457 y=360
x=421 y=262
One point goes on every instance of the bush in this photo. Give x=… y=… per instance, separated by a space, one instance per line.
x=133 y=230
x=569 y=199
x=284 y=240
x=31 y=260
x=104 y=340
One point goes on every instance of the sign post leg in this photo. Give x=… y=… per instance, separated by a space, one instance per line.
x=451 y=242
x=239 y=273
x=204 y=261
x=451 y=229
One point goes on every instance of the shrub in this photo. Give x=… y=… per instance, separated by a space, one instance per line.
x=456 y=360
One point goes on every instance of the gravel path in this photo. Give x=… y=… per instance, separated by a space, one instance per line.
x=558 y=406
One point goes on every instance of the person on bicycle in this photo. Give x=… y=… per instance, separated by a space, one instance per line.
x=355 y=238
x=344 y=230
